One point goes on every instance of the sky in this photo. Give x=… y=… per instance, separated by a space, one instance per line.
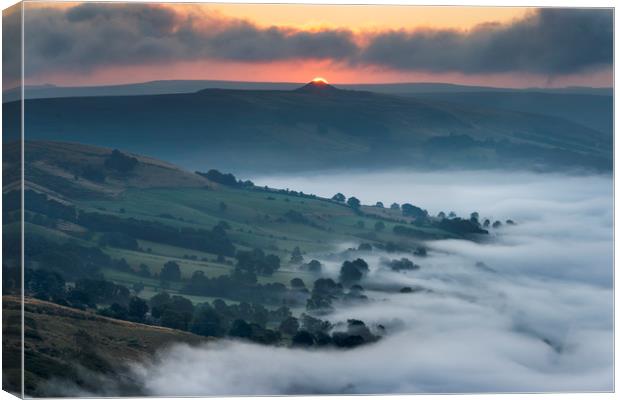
x=80 y=44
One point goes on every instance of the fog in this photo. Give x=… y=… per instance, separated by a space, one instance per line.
x=530 y=310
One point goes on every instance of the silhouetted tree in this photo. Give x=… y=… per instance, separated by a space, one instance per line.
x=137 y=309
x=339 y=197
x=314 y=266
x=303 y=339
x=296 y=256
x=240 y=329
x=297 y=283
x=289 y=326
x=353 y=271
x=170 y=272
x=207 y=322
x=354 y=203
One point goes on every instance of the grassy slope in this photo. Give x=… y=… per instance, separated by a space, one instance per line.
x=59 y=341
x=257 y=218
x=246 y=210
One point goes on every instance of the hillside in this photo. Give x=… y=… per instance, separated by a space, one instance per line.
x=592 y=111
x=65 y=168
x=137 y=253
x=63 y=209
x=65 y=345
x=257 y=131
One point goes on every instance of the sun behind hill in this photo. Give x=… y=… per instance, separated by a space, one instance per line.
x=320 y=80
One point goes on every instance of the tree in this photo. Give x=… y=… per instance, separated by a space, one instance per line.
x=296 y=256
x=349 y=273
x=240 y=329
x=218 y=177
x=409 y=210
x=116 y=311
x=144 y=270
x=353 y=271
x=170 y=272
x=158 y=303
x=137 y=309
x=207 y=322
x=395 y=206
x=474 y=218
x=255 y=261
x=486 y=223
x=496 y=224
x=314 y=266
x=177 y=313
x=79 y=298
x=379 y=226
x=441 y=215
x=342 y=339
x=44 y=284
x=138 y=287
x=314 y=325
x=297 y=283
x=173 y=319
x=303 y=339
x=120 y=162
x=326 y=287
x=354 y=203
x=289 y=326
x=339 y=197
x=404 y=264
x=379 y=204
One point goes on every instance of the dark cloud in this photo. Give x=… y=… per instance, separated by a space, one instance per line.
x=94 y=35
x=87 y=36
x=550 y=41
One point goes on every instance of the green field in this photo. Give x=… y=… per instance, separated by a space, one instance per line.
x=274 y=221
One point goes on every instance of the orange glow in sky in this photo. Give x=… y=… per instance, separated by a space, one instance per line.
x=356 y=17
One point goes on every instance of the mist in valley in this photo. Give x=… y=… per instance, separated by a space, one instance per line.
x=528 y=309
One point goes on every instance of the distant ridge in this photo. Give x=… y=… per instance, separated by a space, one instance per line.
x=191 y=86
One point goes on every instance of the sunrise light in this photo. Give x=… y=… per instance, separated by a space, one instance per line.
x=320 y=80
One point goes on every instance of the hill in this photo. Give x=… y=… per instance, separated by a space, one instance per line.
x=592 y=111
x=258 y=131
x=74 y=170
x=119 y=240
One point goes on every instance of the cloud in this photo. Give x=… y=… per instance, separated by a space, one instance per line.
x=11 y=46
x=89 y=36
x=548 y=41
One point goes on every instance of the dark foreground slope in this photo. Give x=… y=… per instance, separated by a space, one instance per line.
x=65 y=347
x=268 y=130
